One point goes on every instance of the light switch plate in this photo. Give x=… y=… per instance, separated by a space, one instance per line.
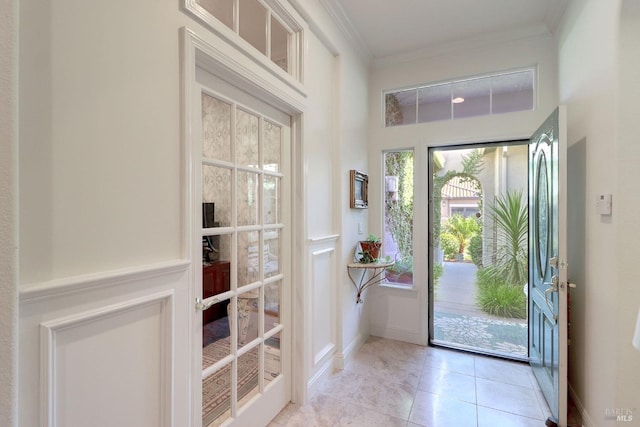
x=603 y=203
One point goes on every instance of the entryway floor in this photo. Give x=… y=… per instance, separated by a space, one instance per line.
x=459 y=322
x=391 y=383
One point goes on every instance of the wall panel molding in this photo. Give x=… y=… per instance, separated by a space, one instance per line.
x=323 y=301
x=75 y=284
x=116 y=337
x=109 y=320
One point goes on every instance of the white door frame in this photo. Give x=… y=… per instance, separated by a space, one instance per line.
x=237 y=69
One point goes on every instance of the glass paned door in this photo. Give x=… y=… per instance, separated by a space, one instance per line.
x=243 y=281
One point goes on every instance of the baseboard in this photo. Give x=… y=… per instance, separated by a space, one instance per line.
x=586 y=419
x=338 y=361
x=403 y=335
x=325 y=369
x=341 y=358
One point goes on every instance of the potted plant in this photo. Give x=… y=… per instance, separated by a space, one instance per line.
x=370 y=249
x=401 y=271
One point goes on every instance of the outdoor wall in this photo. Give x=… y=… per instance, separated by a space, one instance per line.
x=400 y=313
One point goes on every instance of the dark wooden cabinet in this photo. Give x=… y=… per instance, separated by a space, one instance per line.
x=215 y=280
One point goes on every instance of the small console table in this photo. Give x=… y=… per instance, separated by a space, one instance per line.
x=372 y=274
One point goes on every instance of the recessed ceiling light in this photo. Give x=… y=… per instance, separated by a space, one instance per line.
x=457 y=100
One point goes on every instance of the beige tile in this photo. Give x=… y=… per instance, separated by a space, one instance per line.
x=508 y=398
x=386 y=368
x=488 y=417
x=448 y=384
x=341 y=384
x=355 y=415
x=449 y=360
x=396 y=350
x=388 y=398
x=321 y=411
x=504 y=371
x=436 y=410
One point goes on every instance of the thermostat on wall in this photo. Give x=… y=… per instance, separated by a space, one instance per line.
x=604 y=204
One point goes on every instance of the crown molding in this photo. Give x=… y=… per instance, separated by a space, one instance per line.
x=352 y=35
x=538 y=30
x=554 y=15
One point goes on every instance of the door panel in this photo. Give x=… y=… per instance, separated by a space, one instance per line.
x=242 y=187
x=547 y=261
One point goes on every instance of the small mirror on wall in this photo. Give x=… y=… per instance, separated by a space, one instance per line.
x=359 y=189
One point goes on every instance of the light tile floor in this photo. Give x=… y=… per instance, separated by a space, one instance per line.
x=390 y=383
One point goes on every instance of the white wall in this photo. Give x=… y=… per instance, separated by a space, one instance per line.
x=400 y=313
x=8 y=211
x=99 y=137
x=628 y=205
x=101 y=189
x=588 y=86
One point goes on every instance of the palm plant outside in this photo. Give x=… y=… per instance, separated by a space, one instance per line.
x=510 y=216
x=462 y=229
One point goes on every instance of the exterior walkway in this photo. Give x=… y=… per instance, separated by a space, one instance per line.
x=459 y=322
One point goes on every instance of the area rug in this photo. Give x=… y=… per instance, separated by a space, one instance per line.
x=216 y=388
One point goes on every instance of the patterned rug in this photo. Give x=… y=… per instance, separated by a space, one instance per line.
x=506 y=336
x=216 y=388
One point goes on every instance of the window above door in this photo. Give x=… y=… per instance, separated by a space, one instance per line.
x=457 y=99
x=267 y=30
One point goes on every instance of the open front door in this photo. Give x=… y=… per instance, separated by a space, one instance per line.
x=547 y=262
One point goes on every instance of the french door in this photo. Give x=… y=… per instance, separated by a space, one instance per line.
x=547 y=262
x=240 y=160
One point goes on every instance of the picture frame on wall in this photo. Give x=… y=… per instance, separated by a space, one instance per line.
x=359 y=190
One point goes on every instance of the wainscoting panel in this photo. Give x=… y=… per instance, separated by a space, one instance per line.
x=81 y=355
x=107 y=350
x=322 y=317
x=323 y=300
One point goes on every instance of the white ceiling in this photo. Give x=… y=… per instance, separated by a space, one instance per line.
x=393 y=27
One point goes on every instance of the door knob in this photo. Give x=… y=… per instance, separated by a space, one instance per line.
x=202 y=306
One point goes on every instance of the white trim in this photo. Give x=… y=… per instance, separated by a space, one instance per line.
x=319 y=356
x=75 y=284
x=240 y=71
x=475 y=43
x=328 y=349
x=287 y=15
x=323 y=372
x=586 y=419
x=383 y=331
x=341 y=359
x=324 y=239
x=48 y=344
x=224 y=62
x=337 y=13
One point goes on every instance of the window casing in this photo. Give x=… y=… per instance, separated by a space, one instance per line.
x=398 y=216
x=478 y=96
x=263 y=29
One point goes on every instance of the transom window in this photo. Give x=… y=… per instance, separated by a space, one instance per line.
x=264 y=32
x=477 y=96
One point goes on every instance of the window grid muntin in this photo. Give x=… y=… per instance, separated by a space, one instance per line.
x=451 y=83
x=232 y=230
x=275 y=10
